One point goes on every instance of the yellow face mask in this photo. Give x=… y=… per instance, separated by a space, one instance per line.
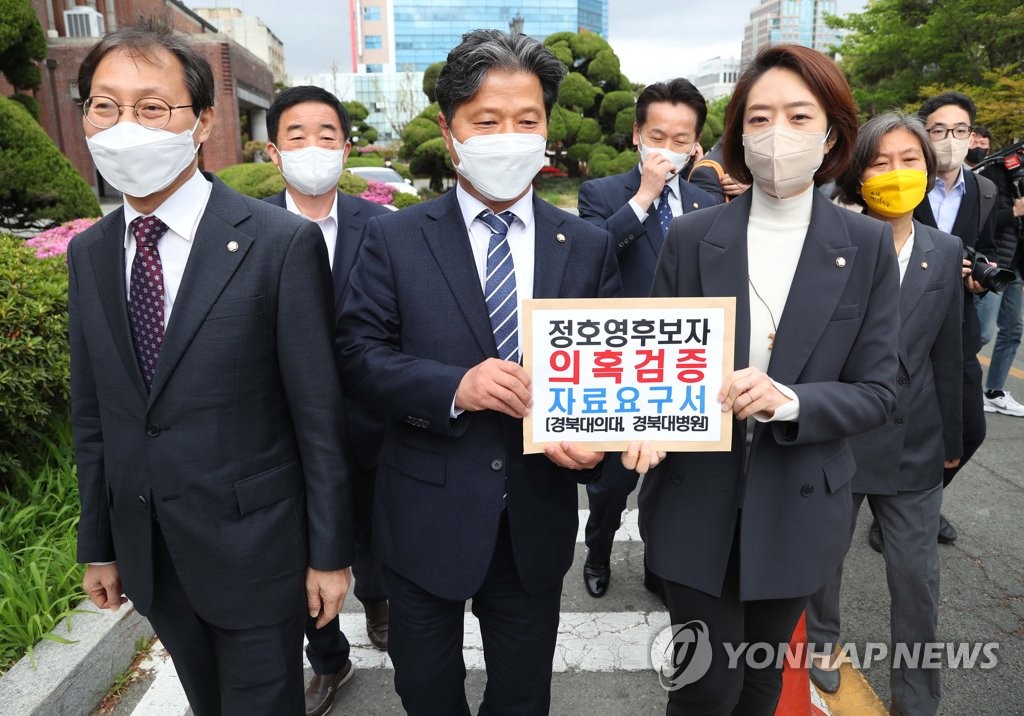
x=894 y=193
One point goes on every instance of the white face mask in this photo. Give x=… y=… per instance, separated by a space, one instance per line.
x=312 y=170
x=677 y=159
x=500 y=166
x=783 y=161
x=950 y=152
x=138 y=161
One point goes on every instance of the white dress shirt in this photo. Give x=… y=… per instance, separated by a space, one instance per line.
x=946 y=205
x=328 y=225
x=904 y=256
x=181 y=212
x=675 y=201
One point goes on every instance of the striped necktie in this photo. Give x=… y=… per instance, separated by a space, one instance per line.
x=500 y=285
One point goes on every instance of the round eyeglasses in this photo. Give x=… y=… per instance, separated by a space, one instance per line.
x=961 y=131
x=151 y=112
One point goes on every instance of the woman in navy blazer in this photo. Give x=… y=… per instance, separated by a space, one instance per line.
x=743 y=538
x=900 y=464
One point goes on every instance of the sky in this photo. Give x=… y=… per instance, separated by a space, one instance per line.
x=654 y=39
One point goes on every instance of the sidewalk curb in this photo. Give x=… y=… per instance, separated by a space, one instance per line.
x=70 y=679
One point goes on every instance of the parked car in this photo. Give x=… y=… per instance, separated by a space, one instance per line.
x=386 y=175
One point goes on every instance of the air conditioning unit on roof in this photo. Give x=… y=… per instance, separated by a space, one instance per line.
x=83 y=22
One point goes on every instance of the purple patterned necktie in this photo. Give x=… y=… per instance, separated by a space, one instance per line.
x=146 y=295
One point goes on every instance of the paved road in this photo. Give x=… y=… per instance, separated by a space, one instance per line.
x=602 y=667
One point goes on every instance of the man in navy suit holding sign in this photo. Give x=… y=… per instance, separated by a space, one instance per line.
x=432 y=335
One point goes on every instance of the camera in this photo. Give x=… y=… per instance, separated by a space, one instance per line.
x=990 y=277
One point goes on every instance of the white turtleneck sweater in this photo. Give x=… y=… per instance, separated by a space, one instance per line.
x=775 y=238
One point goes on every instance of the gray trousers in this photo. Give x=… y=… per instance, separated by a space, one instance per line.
x=910 y=525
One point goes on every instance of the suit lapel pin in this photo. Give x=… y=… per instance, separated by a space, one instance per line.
x=695 y=205
x=840 y=262
x=232 y=246
x=560 y=238
x=924 y=264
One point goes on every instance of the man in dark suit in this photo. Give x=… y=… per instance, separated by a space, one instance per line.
x=206 y=407
x=310 y=129
x=636 y=208
x=431 y=334
x=961 y=203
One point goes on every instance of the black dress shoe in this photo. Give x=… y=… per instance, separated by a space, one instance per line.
x=824 y=679
x=947 y=532
x=323 y=688
x=596 y=576
x=874 y=539
x=377 y=624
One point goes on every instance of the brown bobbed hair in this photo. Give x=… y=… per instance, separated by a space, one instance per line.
x=827 y=84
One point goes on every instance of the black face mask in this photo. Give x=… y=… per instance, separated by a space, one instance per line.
x=976 y=155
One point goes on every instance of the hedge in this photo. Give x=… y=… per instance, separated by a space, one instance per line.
x=38 y=185
x=263 y=180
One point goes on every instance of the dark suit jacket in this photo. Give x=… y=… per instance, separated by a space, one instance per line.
x=927 y=426
x=237 y=447
x=415 y=324
x=975 y=227
x=836 y=348
x=605 y=202
x=365 y=427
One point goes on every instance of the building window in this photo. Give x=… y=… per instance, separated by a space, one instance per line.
x=371 y=13
x=374 y=68
x=373 y=42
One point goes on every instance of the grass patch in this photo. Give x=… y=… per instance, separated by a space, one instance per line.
x=560 y=191
x=40 y=582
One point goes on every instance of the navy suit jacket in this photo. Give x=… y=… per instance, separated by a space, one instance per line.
x=237 y=447
x=836 y=348
x=906 y=453
x=415 y=324
x=365 y=426
x=605 y=202
x=975 y=227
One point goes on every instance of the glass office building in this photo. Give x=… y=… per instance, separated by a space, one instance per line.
x=800 y=22
x=425 y=30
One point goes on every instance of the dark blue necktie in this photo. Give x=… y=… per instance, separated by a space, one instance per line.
x=664 y=210
x=146 y=296
x=500 y=285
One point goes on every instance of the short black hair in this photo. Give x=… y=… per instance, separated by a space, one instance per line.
x=676 y=91
x=983 y=132
x=484 y=50
x=941 y=100
x=305 y=93
x=142 y=37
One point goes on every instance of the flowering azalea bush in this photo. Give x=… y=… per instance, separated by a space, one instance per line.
x=379 y=192
x=54 y=242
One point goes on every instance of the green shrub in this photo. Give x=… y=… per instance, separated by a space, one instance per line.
x=262 y=180
x=38 y=186
x=34 y=359
x=351 y=184
x=365 y=160
x=40 y=582
x=28 y=102
x=403 y=200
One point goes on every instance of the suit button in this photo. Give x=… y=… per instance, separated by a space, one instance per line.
x=898 y=420
x=676 y=478
x=153 y=430
x=142 y=502
x=807 y=490
x=497 y=465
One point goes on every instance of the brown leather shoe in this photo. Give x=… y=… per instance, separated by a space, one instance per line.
x=323 y=688
x=377 y=624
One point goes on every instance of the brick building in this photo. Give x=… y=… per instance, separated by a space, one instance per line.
x=244 y=83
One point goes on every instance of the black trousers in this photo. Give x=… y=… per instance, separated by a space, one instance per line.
x=607 y=498
x=328 y=647
x=740 y=691
x=518 y=630
x=244 y=672
x=974 y=416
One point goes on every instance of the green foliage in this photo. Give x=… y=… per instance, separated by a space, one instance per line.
x=998 y=100
x=38 y=186
x=22 y=45
x=28 y=102
x=589 y=131
x=364 y=160
x=431 y=160
x=895 y=48
x=362 y=133
x=34 y=358
x=351 y=184
x=604 y=70
x=430 y=80
x=416 y=132
x=577 y=93
x=40 y=582
x=601 y=165
x=403 y=200
x=714 y=125
x=254 y=150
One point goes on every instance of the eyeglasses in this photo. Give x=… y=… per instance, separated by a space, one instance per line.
x=938 y=132
x=151 y=112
